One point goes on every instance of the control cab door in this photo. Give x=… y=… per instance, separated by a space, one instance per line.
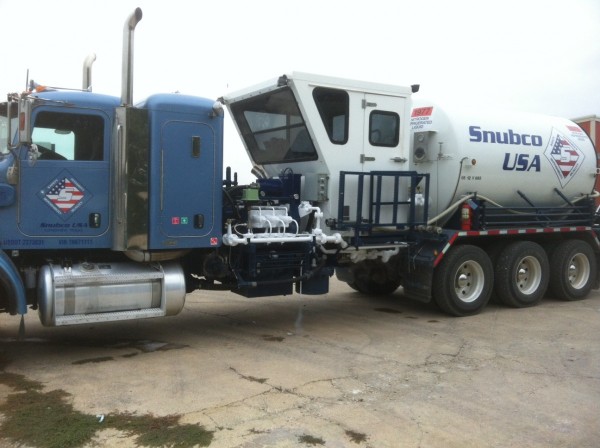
x=384 y=147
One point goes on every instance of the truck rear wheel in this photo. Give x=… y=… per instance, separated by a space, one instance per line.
x=573 y=270
x=522 y=274
x=462 y=283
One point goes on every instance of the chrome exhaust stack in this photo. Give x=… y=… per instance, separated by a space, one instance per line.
x=127 y=68
x=87 y=72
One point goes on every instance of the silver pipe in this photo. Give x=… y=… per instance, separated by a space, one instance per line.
x=87 y=72
x=127 y=68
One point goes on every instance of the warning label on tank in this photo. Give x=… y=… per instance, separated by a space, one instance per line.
x=564 y=157
x=577 y=133
x=420 y=118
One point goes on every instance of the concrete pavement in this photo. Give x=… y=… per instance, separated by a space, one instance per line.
x=341 y=370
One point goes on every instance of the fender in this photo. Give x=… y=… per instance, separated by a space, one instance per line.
x=11 y=280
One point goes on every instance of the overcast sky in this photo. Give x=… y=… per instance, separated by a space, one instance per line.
x=531 y=55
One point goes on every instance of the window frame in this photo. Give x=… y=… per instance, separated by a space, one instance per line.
x=263 y=144
x=396 y=135
x=97 y=136
x=328 y=118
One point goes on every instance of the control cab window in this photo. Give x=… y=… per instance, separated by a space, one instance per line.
x=333 y=106
x=384 y=128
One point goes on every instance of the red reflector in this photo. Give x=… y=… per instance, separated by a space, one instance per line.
x=22 y=121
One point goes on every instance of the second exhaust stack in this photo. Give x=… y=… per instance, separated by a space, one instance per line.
x=127 y=70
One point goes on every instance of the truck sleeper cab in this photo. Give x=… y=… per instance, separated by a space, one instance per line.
x=99 y=204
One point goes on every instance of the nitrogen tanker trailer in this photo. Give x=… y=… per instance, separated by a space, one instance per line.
x=111 y=210
x=451 y=205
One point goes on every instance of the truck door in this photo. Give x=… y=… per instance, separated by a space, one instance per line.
x=190 y=185
x=64 y=185
x=384 y=149
x=383 y=134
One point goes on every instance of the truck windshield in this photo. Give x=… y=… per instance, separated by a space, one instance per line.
x=4 y=127
x=273 y=128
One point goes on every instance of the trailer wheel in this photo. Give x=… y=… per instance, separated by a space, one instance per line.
x=573 y=270
x=522 y=274
x=462 y=283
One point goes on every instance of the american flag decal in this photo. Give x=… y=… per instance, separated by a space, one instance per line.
x=564 y=156
x=64 y=194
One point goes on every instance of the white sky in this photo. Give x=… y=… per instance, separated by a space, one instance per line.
x=531 y=55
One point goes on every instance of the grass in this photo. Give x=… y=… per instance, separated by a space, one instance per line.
x=47 y=420
x=311 y=440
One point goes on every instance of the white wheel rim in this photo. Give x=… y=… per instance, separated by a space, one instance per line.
x=529 y=275
x=469 y=281
x=578 y=271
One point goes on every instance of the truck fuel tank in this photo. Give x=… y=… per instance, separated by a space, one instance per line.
x=99 y=292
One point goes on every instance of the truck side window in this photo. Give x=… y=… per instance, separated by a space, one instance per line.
x=384 y=128
x=333 y=106
x=69 y=136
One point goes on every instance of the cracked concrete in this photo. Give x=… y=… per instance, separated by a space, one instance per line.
x=345 y=369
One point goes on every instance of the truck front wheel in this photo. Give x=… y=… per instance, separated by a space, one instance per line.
x=462 y=283
x=573 y=269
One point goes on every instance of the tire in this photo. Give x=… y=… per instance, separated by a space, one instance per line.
x=463 y=282
x=368 y=286
x=522 y=274
x=573 y=269
x=370 y=278
x=493 y=252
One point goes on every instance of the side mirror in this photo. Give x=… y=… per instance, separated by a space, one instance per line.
x=25 y=106
x=8 y=115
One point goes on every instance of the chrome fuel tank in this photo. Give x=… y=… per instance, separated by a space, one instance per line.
x=103 y=292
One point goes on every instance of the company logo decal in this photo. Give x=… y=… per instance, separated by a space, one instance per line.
x=564 y=157
x=64 y=195
x=510 y=137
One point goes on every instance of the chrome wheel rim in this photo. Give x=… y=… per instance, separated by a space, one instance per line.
x=528 y=275
x=578 y=271
x=469 y=281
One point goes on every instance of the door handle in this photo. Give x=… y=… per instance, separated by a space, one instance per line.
x=364 y=159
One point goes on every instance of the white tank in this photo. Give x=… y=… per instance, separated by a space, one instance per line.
x=497 y=154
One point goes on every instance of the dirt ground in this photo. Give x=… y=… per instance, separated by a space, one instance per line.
x=341 y=370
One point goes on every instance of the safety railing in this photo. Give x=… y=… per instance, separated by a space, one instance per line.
x=375 y=200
